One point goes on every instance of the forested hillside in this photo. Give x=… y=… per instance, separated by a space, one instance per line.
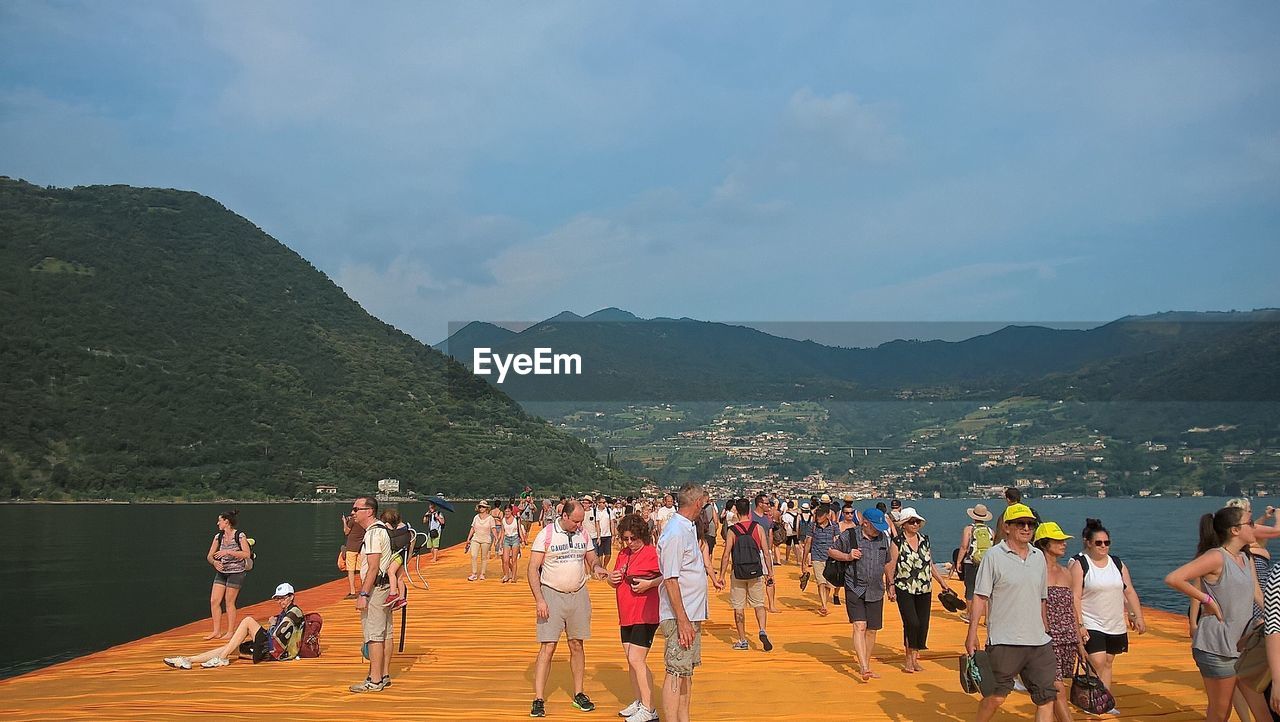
x=155 y=344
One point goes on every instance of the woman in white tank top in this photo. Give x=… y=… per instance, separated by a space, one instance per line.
x=1101 y=592
x=512 y=540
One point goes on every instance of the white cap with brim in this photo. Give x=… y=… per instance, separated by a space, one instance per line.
x=283 y=590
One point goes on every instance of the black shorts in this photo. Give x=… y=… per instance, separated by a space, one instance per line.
x=640 y=635
x=711 y=544
x=1109 y=643
x=258 y=649
x=605 y=547
x=793 y=540
x=860 y=610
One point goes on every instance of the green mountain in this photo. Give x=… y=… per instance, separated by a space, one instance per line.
x=480 y=334
x=1143 y=358
x=155 y=344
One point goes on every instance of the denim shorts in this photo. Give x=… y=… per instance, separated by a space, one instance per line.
x=1213 y=666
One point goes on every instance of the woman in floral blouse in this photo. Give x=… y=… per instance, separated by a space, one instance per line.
x=913 y=580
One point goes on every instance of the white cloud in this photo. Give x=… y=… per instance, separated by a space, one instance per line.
x=846 y=125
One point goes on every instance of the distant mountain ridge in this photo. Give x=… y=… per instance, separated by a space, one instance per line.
x=153 y=344
x=627 y=357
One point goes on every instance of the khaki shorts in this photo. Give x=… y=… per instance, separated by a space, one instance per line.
x=375 y=620
x=745 y=593
x=353 y=562
x=818 y=569
x=568 y=614
x=680 y=661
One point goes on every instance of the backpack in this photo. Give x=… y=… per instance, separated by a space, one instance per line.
x=980 y=543
x=746 y=552
x=311 y=625
x=1083 y=561
x=779 y=533
x=401 y=539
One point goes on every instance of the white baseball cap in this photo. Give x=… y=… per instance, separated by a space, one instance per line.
x=283 y=590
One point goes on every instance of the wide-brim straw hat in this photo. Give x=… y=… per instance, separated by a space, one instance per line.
x=979 y=513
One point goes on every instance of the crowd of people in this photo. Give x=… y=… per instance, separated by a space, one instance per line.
x=1046 y=614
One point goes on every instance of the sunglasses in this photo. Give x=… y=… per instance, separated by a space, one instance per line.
x=627 y=538
x=355 y=509
x=912 y=521
x=1102 y=543
x=1022 y=523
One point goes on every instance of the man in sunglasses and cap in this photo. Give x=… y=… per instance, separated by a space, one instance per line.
x=1012 y=590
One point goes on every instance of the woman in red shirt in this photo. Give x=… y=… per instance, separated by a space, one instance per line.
x=636 y=577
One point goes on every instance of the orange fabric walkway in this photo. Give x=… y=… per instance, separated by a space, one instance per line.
x=470 y=650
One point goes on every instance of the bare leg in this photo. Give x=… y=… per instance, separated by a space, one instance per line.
x=871 y=648
x=1241 y=707
x=1044 y=713
x=675 y=698
x=771 y=595
x=1256 y=703
x=762 y=616
x=389 y=649
x=988 y=706
x=215 y=609
x=641 y=677
x=543 y=669
x=1219 y=693
x=860 y=647
x=740 y=621
x=351 y=578
x=232 y=593
x=1103 y=663
x=248 y=627
x=1061 y=710
x=823 y=592
x=577 y=663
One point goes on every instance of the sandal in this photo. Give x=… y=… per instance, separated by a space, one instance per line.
x=823 y=612
x=471 y=578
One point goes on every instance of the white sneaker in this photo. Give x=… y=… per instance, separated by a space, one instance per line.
x=1018 y=686
x=1113 y=710
x=215 y=662
x=643 y=714
x=629 y=709
x=178 y=662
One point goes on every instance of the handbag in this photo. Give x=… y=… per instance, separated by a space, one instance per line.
x=1087 y=691
x=1251 y=666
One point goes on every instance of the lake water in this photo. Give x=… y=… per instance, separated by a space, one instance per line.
x=81 y=578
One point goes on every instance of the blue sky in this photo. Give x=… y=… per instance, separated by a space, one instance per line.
x=726 y=161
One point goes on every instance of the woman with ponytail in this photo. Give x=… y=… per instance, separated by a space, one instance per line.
x=1228 y=588
x=227 y=554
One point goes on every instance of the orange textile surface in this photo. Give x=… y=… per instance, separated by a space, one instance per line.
x=470 y=650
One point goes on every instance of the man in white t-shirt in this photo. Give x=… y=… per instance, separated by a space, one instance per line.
x=375 y=615
x=682 y=602
x=599 y=525
x=663 y=514
x=558 y=561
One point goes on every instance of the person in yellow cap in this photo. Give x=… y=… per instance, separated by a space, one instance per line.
x=1060 y=610
x=1011 y=591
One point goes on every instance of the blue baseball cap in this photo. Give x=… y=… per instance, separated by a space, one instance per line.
x=876 y=517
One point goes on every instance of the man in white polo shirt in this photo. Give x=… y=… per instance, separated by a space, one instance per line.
x=558 y=563
x=682 y=601
x=1012 y=589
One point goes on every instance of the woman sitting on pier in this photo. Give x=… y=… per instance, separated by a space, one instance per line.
x=278 y=640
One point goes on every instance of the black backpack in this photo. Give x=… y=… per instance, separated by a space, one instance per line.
x=746 y=552
x=1083 y=560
